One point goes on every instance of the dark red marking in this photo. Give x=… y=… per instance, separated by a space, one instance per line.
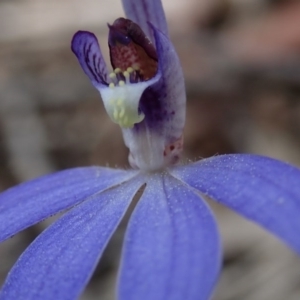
x=130 y=47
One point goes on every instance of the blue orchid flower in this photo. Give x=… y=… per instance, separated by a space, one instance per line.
x=172 y=247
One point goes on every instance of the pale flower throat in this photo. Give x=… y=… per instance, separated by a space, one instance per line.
x=122 y=98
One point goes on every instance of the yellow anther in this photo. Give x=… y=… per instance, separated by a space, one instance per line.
x=122 y=112
x=136 y=66
x=117 y=70
x=126 y=74
x=112 y=75
x=129 y=70
x=120 y=102
x=125 y=121
x=115 y=114
x=111 y=85
x=121 y=83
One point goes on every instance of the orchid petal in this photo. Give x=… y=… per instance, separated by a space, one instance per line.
x=172 y=246
x=33 y=201
x=163 y=105
x=261 y=189
x=144 y=12
x=59 y=263
x=171 y=86
x=86 y=47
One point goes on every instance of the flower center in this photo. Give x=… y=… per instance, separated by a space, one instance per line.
x=134 y=60
x=122 y=98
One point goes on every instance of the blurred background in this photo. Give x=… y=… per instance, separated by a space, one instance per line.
x=241 y=60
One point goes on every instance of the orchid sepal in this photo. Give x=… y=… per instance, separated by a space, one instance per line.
x=144 y=12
